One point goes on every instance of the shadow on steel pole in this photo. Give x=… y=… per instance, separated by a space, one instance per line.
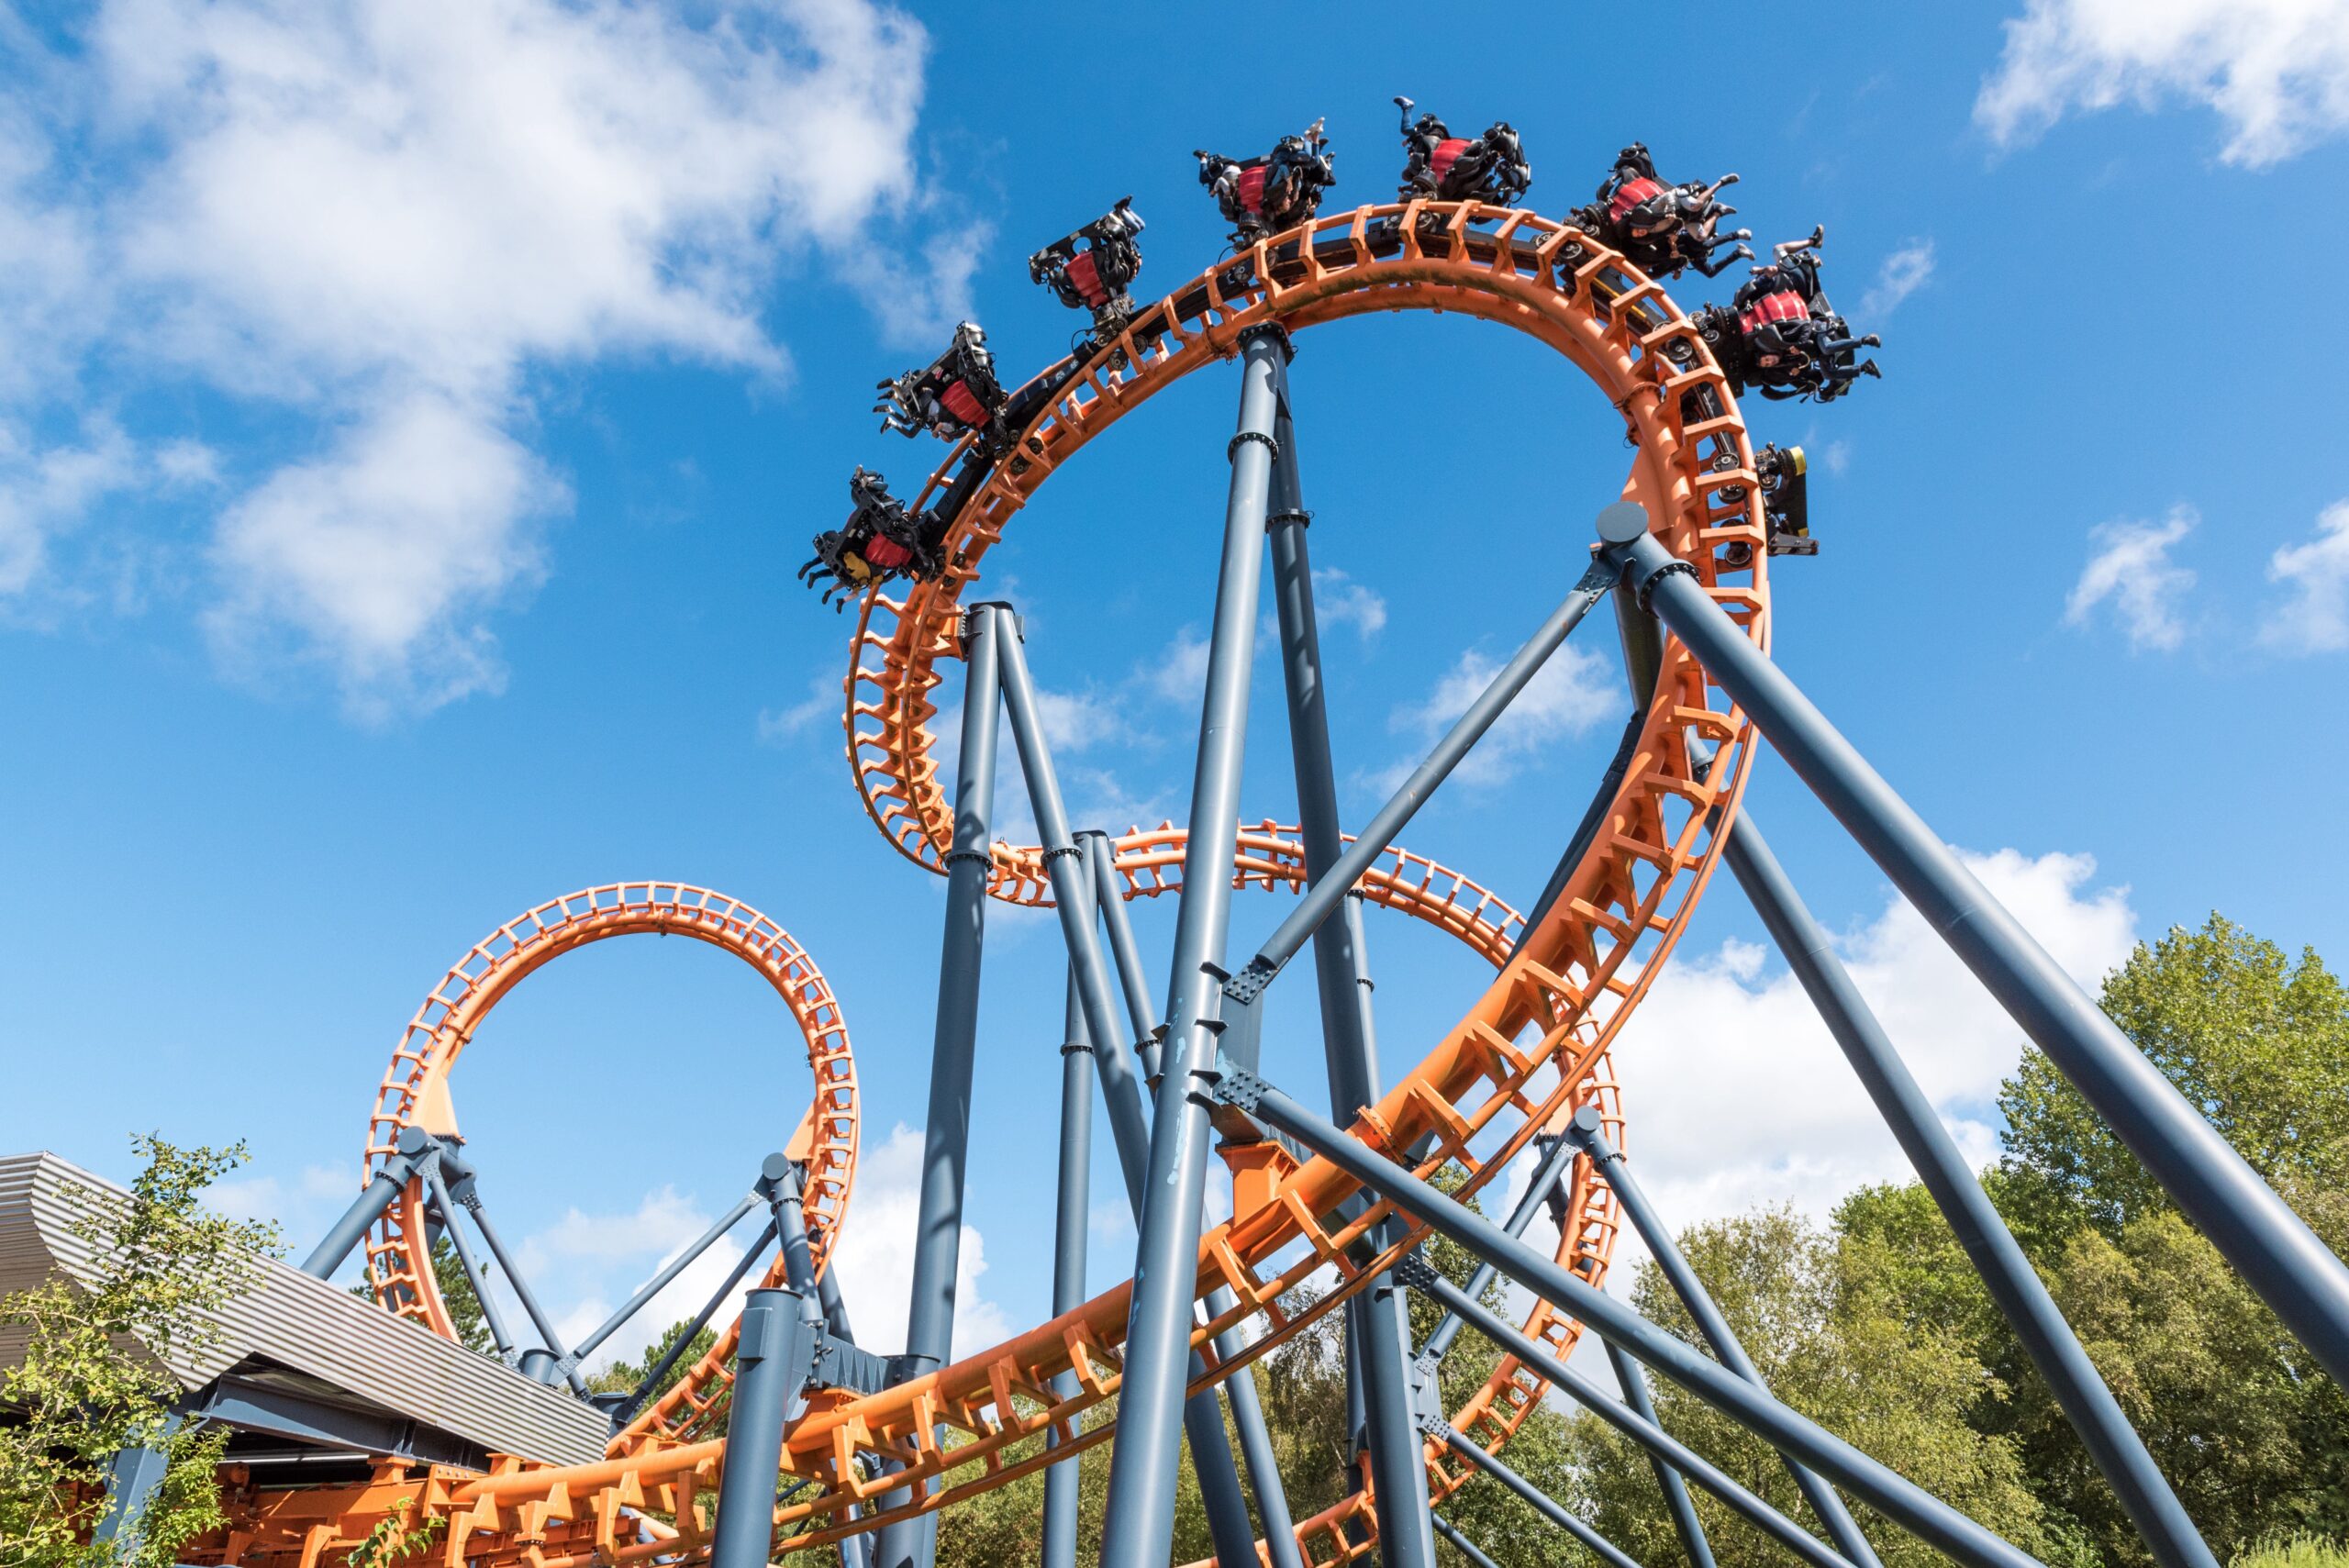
x=2279 y=1257
x=1590 y=1134
x=1377 y=1319
x=1212 y=1460
x=2120 y=1454
x=946 y=1136
x=1071 y=1217
x=771 y=1364
x=1137 y=1528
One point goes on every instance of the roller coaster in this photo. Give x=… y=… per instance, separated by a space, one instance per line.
x=788 y=1437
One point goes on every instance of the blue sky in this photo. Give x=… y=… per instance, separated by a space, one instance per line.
x=411 y=416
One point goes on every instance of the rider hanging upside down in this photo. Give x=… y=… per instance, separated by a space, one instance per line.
x=1094 y=278
x=1660 y=229
x=881 y=540
x=956 y=396
x=1445 y=168
x=1278 y=191
x=1781 y=336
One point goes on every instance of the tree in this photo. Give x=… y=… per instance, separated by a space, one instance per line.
x=91 y=1383
x=456 y=1294
x=622 y=1376
x=1825 y=1324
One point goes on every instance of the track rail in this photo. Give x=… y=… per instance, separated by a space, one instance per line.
x=453 y=1014
x=1529 y=1048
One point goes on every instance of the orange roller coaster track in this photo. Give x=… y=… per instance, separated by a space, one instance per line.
x=1529 y=1049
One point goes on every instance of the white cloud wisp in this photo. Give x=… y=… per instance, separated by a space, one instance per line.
x=2132 y=571
x=382 y=216
x=2315 y=620
x=2277 y=71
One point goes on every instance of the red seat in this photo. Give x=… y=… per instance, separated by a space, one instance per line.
x=1631 y=193
x=1252 y=188
x=1085 y=278
x=959 y=402
x=1445 y=155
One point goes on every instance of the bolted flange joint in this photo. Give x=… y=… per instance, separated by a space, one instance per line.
x=1232 y=450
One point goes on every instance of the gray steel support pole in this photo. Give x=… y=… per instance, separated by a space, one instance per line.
x=131 y=1481
x=946 y=1136
x=1211 y=1457
x=770 y=1362
x=1461 y=1544
x=1138 y=1529
x=1555 y=1162
x=2120 y=1454
x=1100 y=853
x=1331 y=886
x=1540 y=1502
x=2279 y=1256
x=1587 y=1131
x=1641 y=1429
x=780 y=1179
x=1677 y=1501
x=1378 y=1334
x=1071 y=1216
x=415 y=1147
x=1931 y=1519
x=548 y=1365
x=490 y=1315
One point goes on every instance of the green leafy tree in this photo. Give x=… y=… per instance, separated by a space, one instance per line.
x=1826 y=1324
x=622 y=1376
x=91 y=1383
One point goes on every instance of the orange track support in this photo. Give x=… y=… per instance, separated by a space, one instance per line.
x=1530 y=1048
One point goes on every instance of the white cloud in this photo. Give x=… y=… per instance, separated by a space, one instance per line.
x=378 y=555
x=2277 y=71
x=301 y=1208
x=874 y=1258
x=1569 y=694
x=822 y=702
x=382 y=216
x=1179 y=673
x=1904 y=272
x=2132 y=569
x=1339 y=600
x=1737 y=1095
x=2315 y=620
x=45 y=489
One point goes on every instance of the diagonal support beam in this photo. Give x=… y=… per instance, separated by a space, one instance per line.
x=1917 y=1511
x=2279 y=1257
x=1640 y=1427
x=1332 y=885
x=1540 y=1502
x=1677 y=1501
x=1590 y=1136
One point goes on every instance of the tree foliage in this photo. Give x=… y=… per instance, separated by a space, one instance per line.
x=92 y=1381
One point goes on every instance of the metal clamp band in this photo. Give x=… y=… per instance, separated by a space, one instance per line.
x=1069 y=1047
x=1270 y=329
x=1049 y=855
x=1296 y=514
x=1270 y=445
x=1647 y=588
x=954 y=855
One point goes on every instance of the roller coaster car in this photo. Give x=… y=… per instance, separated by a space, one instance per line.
x=1786 y=507
x=1781 y=336
x=1439 y=165
x=1280 y=190
x=956 y=396
x=1097 y=277
x=881 y=540
x=1662 y=228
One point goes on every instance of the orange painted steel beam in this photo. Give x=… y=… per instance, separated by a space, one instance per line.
x=1532 y=1047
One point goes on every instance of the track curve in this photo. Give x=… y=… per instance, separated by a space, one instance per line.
x=453 y=1012
x=1533 y=1045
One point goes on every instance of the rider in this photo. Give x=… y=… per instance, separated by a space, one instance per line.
x=1277 y=191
